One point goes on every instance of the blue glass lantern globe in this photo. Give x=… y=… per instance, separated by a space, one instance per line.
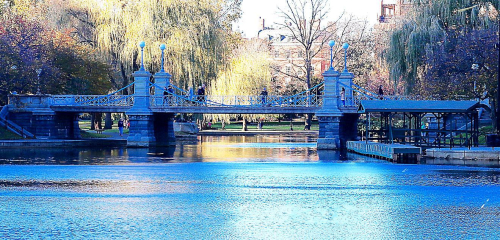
x=331 y=43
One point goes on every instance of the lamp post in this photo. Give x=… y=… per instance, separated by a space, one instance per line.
x=142 y=45
x=38 y=72
x=162 y=47
x=331 y=43
x=498 y=81
x=345 y=46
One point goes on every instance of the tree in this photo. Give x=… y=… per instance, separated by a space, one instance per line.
x=248 y=72
x=28 y=45
x=197 y=34
x=303 y=20
x=435 y=43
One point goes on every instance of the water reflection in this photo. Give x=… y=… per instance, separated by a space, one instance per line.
x=218 y=189
x=206 y=149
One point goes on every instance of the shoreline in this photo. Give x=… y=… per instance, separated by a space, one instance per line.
x=115 y=141
x=255 y=132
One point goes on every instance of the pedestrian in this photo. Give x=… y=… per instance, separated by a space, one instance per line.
x=263 y=94
x=170 y=90
x=342 y=96
x=120 y=126
x=380 y=92
x=201 y=94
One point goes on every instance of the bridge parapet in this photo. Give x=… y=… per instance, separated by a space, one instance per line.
x=93 y=100
x=313 y=101
x=25 y=101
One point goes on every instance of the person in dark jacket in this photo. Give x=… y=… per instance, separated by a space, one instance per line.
x=120 y=126
x=380 y=92
x=263 y=95
x=201 y=94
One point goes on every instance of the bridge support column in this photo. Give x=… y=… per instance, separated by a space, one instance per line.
x=329 y=132
x=56 y=125
x=44 y=124
x=141 y=132
x=330 y=115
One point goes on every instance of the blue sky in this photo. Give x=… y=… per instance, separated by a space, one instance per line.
x=267 y=9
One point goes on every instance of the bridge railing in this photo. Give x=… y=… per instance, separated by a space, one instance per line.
x=93 y=100
x=237 y=101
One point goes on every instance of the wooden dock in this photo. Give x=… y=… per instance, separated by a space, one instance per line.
x=393 y=152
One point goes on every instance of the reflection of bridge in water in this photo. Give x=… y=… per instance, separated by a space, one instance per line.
x=151 y=109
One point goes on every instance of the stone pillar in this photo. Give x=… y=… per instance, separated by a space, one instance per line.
x=44 y=124
x=329 y=116
x=141 y=132
x=345 y=79
x=162 y=81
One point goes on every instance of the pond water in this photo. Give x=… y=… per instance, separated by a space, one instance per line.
x=260 y=187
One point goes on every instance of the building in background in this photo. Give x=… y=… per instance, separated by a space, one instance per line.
x=389 y=12
x=288 y=60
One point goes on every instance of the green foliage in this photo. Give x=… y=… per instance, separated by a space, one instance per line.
x=197 y=34
x=86 y=134
x=8 y=135
x=28 y=45
x=425 y=35
x=247 y=73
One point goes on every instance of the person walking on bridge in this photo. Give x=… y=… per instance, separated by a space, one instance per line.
x=263 y=95
x=380 y=93
x=201 y=95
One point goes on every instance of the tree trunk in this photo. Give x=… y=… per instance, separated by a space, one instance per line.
x=108 y=122
x=291 y=122
x=92 y=121
x=244 y=128
x=494 y=116
x=97 y=120
x=125 y=79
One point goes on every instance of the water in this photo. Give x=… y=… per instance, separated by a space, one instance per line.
x=240 y=188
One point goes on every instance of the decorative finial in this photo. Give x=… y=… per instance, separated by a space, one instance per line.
x=331 y=43
x=142 y=45
x=345 y=46
x=162 y=47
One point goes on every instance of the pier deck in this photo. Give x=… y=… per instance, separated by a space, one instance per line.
x=394 y=152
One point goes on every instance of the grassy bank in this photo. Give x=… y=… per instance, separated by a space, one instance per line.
x=8 y=135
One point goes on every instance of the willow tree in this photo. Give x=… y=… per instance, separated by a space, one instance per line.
x=247 y=74
x=436 y=44
x=197 y=34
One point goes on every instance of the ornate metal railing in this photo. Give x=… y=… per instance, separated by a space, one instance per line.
x=237 y=101
x=93 y=100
